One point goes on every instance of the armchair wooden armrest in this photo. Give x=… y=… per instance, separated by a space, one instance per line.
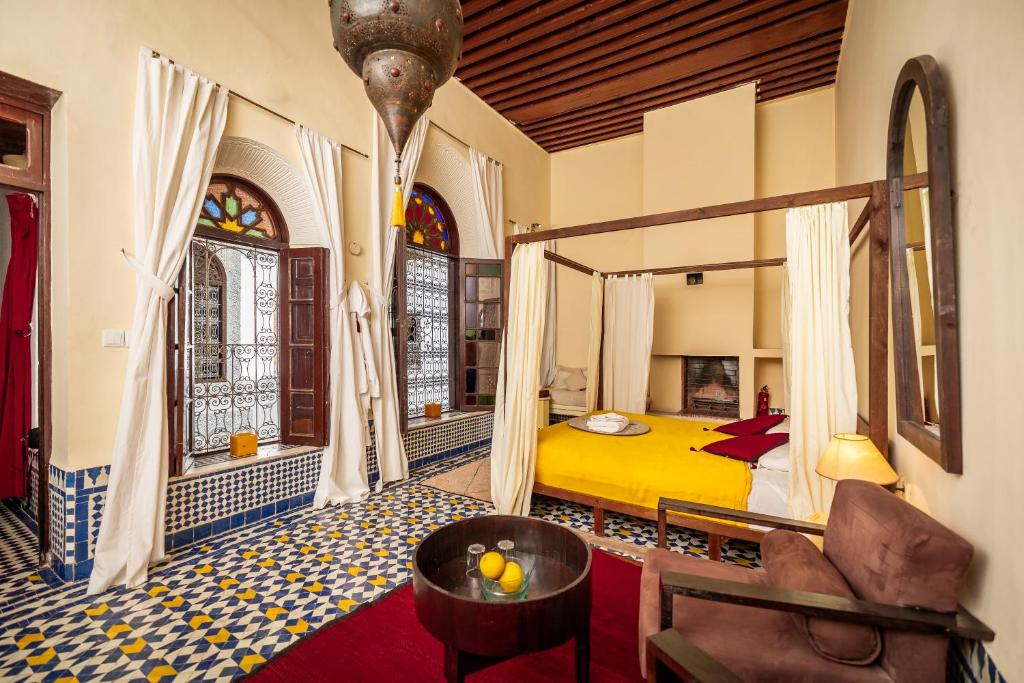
x=962 y=623
x=671 y=505
x=670 y=656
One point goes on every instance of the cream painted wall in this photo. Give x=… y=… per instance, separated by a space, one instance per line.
x=795 y=152
x=279 y=54
x=699 y=153
x=589 y=184
x=678 y=162
x=979 y=50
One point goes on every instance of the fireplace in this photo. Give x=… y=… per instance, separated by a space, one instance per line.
x=711 y=386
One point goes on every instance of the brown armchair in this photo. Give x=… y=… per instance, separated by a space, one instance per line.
x=900 y=569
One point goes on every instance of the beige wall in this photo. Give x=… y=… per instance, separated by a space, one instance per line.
x=978 y=49
x=277 y=53
x=795 y=152
x=717 y=149
x=595 y=183
x=695 y=154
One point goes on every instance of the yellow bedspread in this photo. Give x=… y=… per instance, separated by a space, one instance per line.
x=641 y=469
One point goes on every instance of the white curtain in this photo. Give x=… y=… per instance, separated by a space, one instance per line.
x=514 y=445
x=548 y=363
x=179 y=120
x=594 y=345
x=386 y=420
x=819 y=352
x=343 y=467
x=628 y=339
x=489 y=205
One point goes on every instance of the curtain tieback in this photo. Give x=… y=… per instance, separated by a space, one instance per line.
x=159 y=287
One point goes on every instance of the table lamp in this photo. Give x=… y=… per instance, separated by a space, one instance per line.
x=854 y=456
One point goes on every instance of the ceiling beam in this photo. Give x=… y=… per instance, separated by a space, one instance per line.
x=497 y=12
x=559 y=145
x=642 y=54
x=805 y=26
x=741 y=72
x=607 y=126
x=783 y=91
x=680 y=91
x=543 y=18
x=526 y=52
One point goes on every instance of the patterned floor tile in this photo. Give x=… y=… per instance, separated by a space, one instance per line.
x=218 y=611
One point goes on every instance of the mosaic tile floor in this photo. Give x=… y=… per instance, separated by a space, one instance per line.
x=218 y=611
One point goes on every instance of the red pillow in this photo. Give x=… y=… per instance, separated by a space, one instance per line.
x=746 y=448
x=755 y=425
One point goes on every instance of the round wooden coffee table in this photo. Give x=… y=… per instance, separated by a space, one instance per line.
x=477 y=633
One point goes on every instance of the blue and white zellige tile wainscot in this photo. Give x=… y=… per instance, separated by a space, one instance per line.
x=205 y=504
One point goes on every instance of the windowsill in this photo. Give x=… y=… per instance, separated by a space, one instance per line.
x=225 y=461
x=451 y=416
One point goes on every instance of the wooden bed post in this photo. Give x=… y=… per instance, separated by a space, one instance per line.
x=878 y=318
x=506 y=283
x=714 y=547
x=598 y=521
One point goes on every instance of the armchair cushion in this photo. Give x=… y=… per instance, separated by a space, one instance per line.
x=757 y=645
x=792 y=561
x=891 y=552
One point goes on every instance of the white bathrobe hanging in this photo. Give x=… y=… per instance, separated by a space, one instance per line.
x=367 y=378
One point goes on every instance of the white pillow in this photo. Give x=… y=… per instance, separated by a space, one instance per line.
x=781 y=428
x=576 y=381
x=561 y=374
x=776 y=459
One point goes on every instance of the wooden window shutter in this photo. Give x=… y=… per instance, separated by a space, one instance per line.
x=305 y=354
x=480 y=332
x=176 y=377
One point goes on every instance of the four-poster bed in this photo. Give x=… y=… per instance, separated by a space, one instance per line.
x=874 y=217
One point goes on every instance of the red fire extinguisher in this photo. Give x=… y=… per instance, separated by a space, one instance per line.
x=763 y=400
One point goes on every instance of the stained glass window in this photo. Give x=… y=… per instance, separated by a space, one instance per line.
x=426 y=222
x=237 y=208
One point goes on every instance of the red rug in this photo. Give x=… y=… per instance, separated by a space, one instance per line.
x=385 y=642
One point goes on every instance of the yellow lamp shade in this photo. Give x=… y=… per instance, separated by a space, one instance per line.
x=398 y=208
x=853 y=456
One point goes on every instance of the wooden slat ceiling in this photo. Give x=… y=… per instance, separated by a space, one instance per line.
x=573 y=72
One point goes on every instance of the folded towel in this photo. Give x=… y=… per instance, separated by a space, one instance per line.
x=608 y=417
x=607 y=423
x=607 y=427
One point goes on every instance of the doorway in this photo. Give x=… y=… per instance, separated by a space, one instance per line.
x=25 y=360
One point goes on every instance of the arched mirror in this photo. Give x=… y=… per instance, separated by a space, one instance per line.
x=923 y=263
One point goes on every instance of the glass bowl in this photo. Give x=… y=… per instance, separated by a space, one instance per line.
x=493 y=591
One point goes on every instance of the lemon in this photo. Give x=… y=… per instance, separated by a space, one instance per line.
x=512 y=578
x=492 y=564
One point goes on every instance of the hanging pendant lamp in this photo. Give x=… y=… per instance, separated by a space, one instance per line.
x=403 y=50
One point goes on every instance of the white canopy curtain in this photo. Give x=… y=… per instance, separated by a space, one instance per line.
x=386 y=420
x=594 y=345
x=548 y=362
x=179 y=121
x=514 y=443
x=818 y=348
x=343 y=467
x=489 y=205
x=628 y=339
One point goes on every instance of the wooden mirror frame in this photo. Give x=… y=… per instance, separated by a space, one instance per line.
x=922 y=74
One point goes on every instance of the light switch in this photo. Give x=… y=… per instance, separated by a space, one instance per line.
x=114 y=339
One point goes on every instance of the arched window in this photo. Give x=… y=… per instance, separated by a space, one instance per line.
x=249 y=347
x=238 y=208
x=426 y=346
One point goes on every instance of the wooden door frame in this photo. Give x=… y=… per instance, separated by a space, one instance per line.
x=32 y=97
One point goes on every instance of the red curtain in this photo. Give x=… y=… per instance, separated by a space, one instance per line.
x=15 y=344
